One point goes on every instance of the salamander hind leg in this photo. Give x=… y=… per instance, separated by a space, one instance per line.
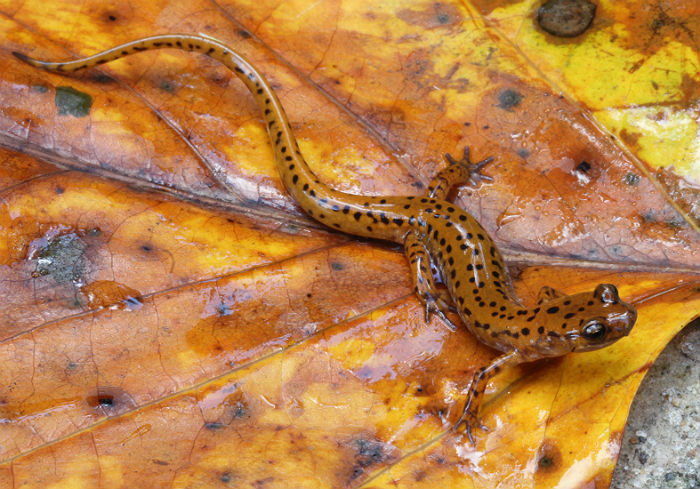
x=470 y=415
x=458 y=172
x=435 y=300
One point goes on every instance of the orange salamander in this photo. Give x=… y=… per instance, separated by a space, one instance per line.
x=433 y=231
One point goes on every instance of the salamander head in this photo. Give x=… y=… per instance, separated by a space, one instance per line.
x=583 y=322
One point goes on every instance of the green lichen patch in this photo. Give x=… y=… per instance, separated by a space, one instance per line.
x=70 y=101
x=62 y=258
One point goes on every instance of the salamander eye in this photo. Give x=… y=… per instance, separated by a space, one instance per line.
x=594 y=330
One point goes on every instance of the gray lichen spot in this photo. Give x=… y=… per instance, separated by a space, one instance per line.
x=62 y=258
x=509 y=98
x=70 y=101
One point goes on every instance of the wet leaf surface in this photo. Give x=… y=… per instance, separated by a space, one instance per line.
x=172 y=318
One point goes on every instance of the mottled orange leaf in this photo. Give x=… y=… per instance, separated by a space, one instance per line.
x=172 y=319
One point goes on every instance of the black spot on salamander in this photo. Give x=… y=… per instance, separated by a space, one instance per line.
x=525 y=331
x=553 y=334
x=295 y=179
x=463 y=246
x=357 y=216
x=569 y=315
x=540 y=330
x=398 y=221
x=553 y=310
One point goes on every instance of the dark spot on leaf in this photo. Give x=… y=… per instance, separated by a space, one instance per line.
x=102 y=78
x=224 y=310
x=549 y=457
x=583 y=167
x=70 y=101
x=167 y=86
x=632 y=179
x=509 y=98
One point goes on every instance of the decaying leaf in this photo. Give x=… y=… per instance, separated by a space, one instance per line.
x=172 y=318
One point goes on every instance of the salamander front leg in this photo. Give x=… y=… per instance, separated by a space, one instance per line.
x=470 y=415
x=435 y=300
x=459 y=172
